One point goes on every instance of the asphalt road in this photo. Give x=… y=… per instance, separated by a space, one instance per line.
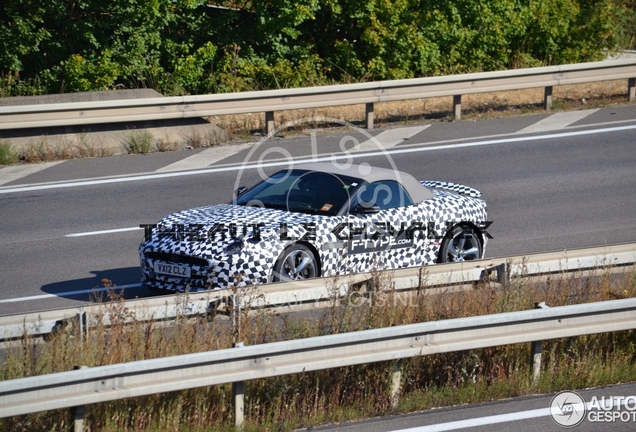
x=548 y=188
x=522 y=414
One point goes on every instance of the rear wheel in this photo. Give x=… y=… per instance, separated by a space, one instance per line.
x=462 y=243
x=297 y=262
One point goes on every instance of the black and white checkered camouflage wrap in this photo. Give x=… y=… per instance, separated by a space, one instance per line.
x=454 y=187
x=215 y=266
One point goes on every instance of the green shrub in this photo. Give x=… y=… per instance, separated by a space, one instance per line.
x=139 y=142
x=8 y=155
x=178 y=48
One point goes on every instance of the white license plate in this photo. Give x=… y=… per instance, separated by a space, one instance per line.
x=172 y=270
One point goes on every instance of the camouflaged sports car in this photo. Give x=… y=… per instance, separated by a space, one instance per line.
x=313 y=220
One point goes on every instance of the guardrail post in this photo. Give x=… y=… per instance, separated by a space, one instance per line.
x=78 y=418
x=536 y=350
x=457 y=107
x=77 y=413
x=269 y=121
x=631 y=89
x=83 y=325
x=238 y=398
x=503 y=273
x=369 y=115
x=547 y=98
x=396 y=383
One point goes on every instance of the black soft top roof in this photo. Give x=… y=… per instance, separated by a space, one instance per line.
x=370 y=174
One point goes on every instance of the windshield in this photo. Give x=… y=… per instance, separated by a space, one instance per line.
x=302 y=191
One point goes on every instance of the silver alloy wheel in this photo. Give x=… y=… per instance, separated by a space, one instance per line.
x=299 y=263
x=464 y=246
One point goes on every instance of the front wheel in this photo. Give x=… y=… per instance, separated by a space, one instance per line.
x=296 y=263
x=462 y=243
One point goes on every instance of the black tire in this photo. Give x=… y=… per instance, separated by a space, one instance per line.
x=297 y=262
x=462 y=243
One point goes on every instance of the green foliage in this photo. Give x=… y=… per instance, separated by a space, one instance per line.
x=186 y=48
x=81 y=74
x=139 y=142
x=624 y=21
x=12 y=85
x=8 y=155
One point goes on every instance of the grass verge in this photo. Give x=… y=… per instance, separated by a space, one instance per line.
x=336 y=395
x=41 y=150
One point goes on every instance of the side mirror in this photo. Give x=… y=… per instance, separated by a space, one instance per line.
x=240 y=191
x=360 y=209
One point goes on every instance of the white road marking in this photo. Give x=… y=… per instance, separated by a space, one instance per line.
x=558 y=121
x=501 y=418
x=480 y=421
x=91 y=233
x=327 y=158
x=68 y=293
x=205 y=158
x=389 y=138
x=16 y=172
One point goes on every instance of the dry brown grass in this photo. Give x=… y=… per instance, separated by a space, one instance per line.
x=42 y=150
x=335 y=395
x=474 y=106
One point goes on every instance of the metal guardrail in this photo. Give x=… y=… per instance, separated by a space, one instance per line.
x=308 y=292
x=108 y=383
x=83 y=113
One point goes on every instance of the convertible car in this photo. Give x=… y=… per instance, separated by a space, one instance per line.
x=314 y=220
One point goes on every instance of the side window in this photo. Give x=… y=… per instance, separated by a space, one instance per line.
x=386 y=194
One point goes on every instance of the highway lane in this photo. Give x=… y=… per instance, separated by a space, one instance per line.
x=543 y=194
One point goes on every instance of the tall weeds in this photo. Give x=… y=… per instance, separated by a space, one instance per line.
x=335 y=395
x=8 y=155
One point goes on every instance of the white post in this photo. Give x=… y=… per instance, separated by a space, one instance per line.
x=536 y=349
x=238 y=398
x=369 y=115
x=269 y=121
x=547 y=98
x=396 y=383
x=457 y=107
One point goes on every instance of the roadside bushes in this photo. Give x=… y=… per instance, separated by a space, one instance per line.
x=187 y=48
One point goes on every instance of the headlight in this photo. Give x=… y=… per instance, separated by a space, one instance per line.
x=234 y=247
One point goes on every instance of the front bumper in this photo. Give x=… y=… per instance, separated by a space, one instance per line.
x=220 y=272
